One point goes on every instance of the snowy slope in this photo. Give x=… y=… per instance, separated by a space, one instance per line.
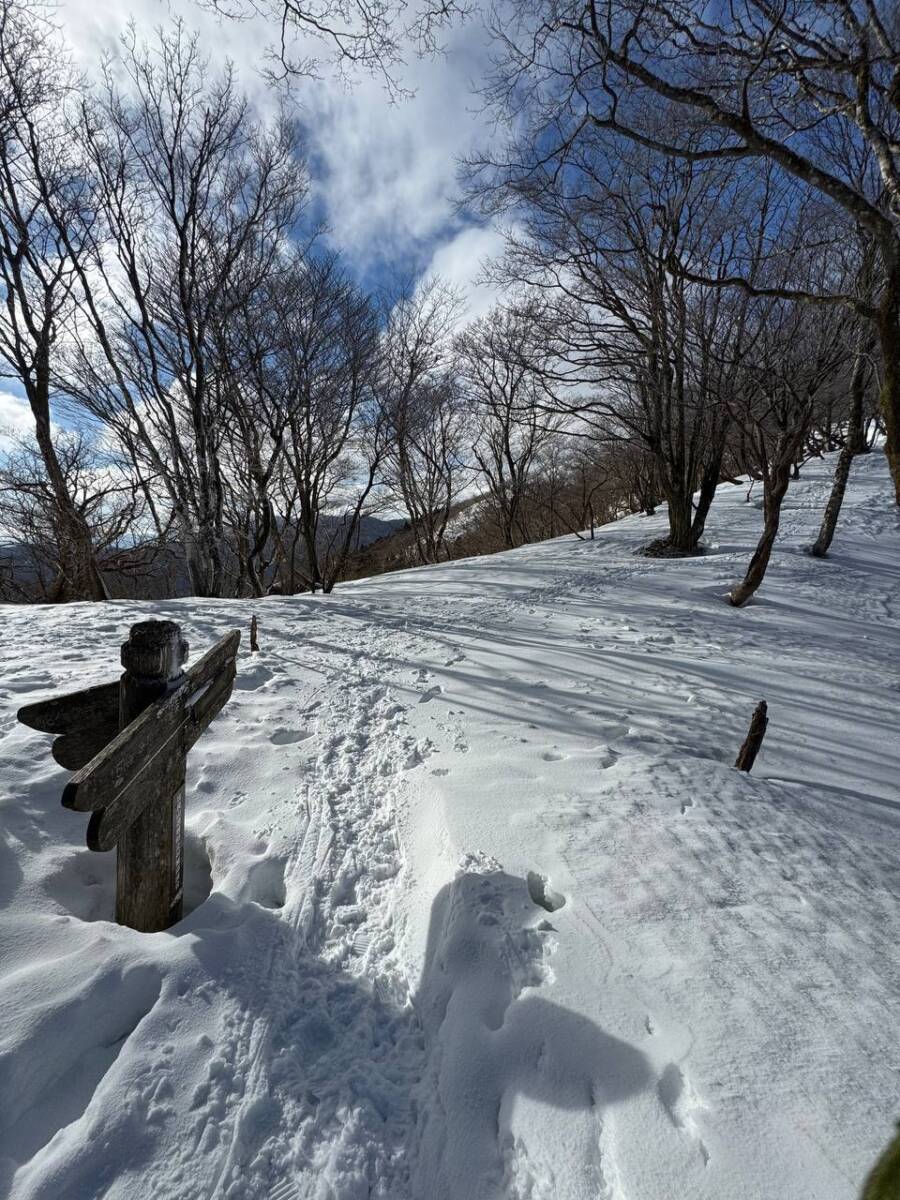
x=491 y=913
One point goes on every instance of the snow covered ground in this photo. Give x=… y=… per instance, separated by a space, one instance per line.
x=480 y=907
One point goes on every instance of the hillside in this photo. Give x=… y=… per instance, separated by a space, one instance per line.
x=480 y=907
x=162 y=572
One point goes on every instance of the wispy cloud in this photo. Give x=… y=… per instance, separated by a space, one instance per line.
x=383 y=172
x=459 y=261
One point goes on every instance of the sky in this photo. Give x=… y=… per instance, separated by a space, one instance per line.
x=15 y=419
x=383 y=172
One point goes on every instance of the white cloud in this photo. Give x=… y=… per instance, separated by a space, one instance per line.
x=387 y=172
x=93 y=28
x=460 y=261
x=16 y=420
x=384 y=174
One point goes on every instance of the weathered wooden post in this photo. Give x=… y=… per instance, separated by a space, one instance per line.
x=127 y=742
x=754 y=739
x=150 y=861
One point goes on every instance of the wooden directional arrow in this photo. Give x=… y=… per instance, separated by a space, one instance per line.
x=132 y=780
x=177 y=720
x=146 y=757
x=85 y=721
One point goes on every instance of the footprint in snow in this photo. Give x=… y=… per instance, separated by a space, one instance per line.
x=681 y=1103
x=33 y=683
x=286 y=737
x=431 y=694
x=541 y=893
x=252 y=679
x=501 y=1039
x=265 y=883
x=613 y=732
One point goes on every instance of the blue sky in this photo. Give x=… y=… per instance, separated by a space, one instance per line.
x=383 y=173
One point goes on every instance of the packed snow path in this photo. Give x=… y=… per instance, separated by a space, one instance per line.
x=480 y=908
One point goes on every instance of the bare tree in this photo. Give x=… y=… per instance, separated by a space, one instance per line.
x=197 y=197
x=107 y=501
x=809 y=89
x=251 y=387
x=588 y=496
x=503 y=368
x=40 y=187
x=796 y=355
x=604 y=237
x=335 y=438
x=552 y=508
x=425 y=467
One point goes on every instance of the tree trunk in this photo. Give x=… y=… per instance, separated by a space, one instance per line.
x=681 y=515
x=708 y=484
x=855 y=439
x=774 y=491
x=198 y=572
x=80 y=577
x=888 y=323
x=314 y=578
x=832 y=509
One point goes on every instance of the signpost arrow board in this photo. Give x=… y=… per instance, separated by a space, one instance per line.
x=181 y=716
x=132 y=782
x=85 y=721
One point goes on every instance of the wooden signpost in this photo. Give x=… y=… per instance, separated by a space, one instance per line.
x=127 y=741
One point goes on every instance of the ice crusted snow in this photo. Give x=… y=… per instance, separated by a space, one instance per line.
x=479 y=906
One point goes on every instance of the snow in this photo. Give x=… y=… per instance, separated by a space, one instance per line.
x=479 y=906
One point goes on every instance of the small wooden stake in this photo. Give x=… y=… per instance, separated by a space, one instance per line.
x=754 y=739
x=150 y=859
x=254 y=629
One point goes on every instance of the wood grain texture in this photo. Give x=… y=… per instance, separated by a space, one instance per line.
x=158 y=777
x=86 y=722
x=153 y=684
x=74 y=711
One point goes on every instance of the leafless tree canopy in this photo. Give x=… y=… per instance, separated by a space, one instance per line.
x=349 y=35
x=801 y=99
x=701 y=280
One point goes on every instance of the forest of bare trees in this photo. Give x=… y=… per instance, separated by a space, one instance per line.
x=701 y=280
